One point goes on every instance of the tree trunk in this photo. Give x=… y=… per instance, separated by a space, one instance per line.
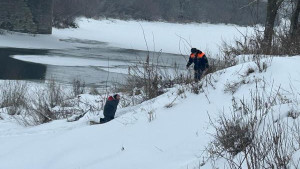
x=272 y=10
x=294 y=20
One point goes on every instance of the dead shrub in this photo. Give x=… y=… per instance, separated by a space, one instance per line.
x=42 y=111
x=232 y=87
x=293 y=114
x=249 y=71
x=41 y=106
x=151 y=116
x=233 y=135
x=146 y=78
x=180 y=91
x=94 y=91
x=282 y=44
x=262 y=62
x=78 y=87
x=55 y=93
x=250 y=137
x=13 y=95
x=196 y=88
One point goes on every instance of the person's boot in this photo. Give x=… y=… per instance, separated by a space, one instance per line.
x=102 y=120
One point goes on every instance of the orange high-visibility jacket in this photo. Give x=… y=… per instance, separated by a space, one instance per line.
x=199 y=59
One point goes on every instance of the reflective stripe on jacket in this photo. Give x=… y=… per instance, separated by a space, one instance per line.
x=199 y=55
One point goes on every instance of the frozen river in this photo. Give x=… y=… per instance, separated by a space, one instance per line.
x=95 y=63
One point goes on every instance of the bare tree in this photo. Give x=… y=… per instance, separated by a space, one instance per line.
x=272 y=10
x=213 y=11
x=295 y=19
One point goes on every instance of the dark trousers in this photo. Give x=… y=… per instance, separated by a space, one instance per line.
x=106 y=119
x=197 y=75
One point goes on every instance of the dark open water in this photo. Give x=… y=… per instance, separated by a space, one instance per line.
x=11 y=68
x=14 y=69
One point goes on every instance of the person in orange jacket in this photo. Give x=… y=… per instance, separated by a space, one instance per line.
x=200 y=63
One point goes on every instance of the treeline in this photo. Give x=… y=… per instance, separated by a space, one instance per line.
x=241 y=12
x=275 y=39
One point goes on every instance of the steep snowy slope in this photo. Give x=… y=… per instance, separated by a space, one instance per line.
x=149 y=135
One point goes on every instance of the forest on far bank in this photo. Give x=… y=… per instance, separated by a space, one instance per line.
x=240 y=12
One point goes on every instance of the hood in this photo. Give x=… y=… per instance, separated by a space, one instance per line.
x=110 y=98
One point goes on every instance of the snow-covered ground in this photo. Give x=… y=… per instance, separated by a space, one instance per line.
x=171 y=131
x=175 y=138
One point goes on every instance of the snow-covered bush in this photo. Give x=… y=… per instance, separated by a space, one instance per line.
x=262 y=62
x=151 y=116
x=282 y=44
x=255 y=135
x=13 y=96
x=249 y=71
x=33 y=106
x=148 y=79
x=179 y=94
x=233 y=135
x=61 y=23
x=94 y=91
x=78 y=87
x=196 y=88
x=54 y=93
x=232 y=87
x=40 y=111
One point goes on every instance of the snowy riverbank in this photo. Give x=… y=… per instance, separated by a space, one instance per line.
x=174 y=139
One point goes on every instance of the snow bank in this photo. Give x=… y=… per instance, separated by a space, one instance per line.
x=174 y=139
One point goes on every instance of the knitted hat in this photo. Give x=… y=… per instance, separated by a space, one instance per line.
x=115 y=96
x=193 y=50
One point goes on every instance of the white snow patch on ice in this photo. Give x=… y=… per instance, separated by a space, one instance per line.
x=22 y=40
x=66 y=61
